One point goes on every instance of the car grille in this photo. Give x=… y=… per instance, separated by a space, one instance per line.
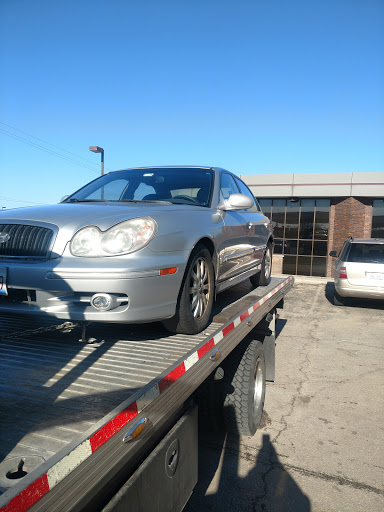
x=25 y=241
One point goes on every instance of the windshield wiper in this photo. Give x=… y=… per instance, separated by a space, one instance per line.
x=74 y=200
x=158 y=201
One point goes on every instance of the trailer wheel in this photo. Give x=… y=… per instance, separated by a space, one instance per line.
x=195 y=302
x=263 y=277
x=245 y=387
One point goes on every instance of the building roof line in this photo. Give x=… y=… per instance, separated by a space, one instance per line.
x=308 y=184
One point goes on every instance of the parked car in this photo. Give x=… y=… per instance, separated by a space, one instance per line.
x=359 y=270
x=136 y=245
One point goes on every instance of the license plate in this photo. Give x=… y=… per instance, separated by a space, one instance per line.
x=375 y=275
x=3 y=281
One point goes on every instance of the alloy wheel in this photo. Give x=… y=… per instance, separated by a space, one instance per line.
x=200 y=287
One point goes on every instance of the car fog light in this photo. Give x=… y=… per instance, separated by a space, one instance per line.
x=103 y=301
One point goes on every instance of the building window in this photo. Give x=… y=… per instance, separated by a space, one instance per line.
x=377 y=218
x=300 y=230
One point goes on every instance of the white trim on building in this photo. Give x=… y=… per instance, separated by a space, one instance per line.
x=339 y=184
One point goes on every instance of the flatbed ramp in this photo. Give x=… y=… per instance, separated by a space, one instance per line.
x=63 y=398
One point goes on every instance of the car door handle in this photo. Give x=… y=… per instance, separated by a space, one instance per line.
x=249 y=225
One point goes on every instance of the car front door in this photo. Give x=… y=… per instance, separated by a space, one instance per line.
x=235 y=250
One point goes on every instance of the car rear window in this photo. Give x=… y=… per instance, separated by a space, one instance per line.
x=366 y=253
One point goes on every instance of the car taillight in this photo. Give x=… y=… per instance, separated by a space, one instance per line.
x=343 y=273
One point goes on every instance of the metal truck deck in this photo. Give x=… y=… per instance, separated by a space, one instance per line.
x=61 y=394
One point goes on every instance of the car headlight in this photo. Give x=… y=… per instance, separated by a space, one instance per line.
x=124 y=238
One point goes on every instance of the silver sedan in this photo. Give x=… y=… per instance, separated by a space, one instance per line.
x=137 y=245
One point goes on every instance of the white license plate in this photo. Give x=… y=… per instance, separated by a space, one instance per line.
x=375 y=275
x=3 y=281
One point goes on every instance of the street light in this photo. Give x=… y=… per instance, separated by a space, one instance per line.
x=96 y=149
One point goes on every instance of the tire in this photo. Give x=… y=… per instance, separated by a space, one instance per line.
x=338 y=300
x=194 y=305
x=245 y=385
x=263 y=277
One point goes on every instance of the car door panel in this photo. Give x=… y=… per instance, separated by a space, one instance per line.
x=235 y=251
x=258 y=230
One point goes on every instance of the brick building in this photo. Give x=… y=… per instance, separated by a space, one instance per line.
x=313 y=214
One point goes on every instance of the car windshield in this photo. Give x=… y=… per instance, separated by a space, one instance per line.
x=172 y=185
x=366 y=253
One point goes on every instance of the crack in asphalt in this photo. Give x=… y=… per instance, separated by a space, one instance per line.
x=260 y=500
x=266 y=458
x=272 y=464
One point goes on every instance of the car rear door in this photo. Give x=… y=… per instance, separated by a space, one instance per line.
x=258 y=225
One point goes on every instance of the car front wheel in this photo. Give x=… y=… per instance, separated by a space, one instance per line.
x=194 y=307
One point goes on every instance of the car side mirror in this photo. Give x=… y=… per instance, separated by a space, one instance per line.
x=333 y=254
x=238 y=202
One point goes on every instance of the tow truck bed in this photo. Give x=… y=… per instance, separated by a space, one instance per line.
x=65 y=403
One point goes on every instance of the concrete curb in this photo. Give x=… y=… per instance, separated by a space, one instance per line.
x=308 y=279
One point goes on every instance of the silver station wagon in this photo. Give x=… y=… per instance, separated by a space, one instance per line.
x=359 y=270
x=136 y=245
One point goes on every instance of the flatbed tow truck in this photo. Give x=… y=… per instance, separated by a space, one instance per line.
x=109 y=421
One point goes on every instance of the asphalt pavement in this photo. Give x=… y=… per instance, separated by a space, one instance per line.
x=320 y=445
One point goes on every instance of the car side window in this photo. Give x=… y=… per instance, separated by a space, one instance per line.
x=245 y=190
x=343 y=250
x=228 y=186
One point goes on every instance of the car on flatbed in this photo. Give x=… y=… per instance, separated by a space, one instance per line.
x=136 y=245
x=359 y=270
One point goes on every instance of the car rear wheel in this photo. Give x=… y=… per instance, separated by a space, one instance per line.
x=244 y=378
x=263 y=277
x=194 y=307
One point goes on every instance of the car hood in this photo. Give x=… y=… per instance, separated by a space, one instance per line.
x=70 y=217
x=78 y=215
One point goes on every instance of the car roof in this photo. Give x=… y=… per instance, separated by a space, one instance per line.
x=167 y=167
x=367 y=240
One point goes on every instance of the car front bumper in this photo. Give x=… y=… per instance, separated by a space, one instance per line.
x=63 y=287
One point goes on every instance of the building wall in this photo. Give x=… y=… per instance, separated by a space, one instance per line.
x=351 y=195
x=349 y=216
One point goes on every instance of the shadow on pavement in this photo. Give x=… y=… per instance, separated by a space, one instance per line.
x=356 y=302
x=243 y=481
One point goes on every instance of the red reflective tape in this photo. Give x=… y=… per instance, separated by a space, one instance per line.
x=28 y=496
x=244 y=316
x=228 y=329
x=204 y=349
x=117 y=423
x=257 y=305
x=171 y=377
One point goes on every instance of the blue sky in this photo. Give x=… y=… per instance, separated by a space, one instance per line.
x=256 y=87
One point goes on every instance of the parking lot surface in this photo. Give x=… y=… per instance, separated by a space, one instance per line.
x=320 y=445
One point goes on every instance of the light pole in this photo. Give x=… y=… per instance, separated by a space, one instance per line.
x=96 y=149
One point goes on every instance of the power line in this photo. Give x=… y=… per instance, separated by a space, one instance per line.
x=48 y=143
x=2 y=198
x=46 y=150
